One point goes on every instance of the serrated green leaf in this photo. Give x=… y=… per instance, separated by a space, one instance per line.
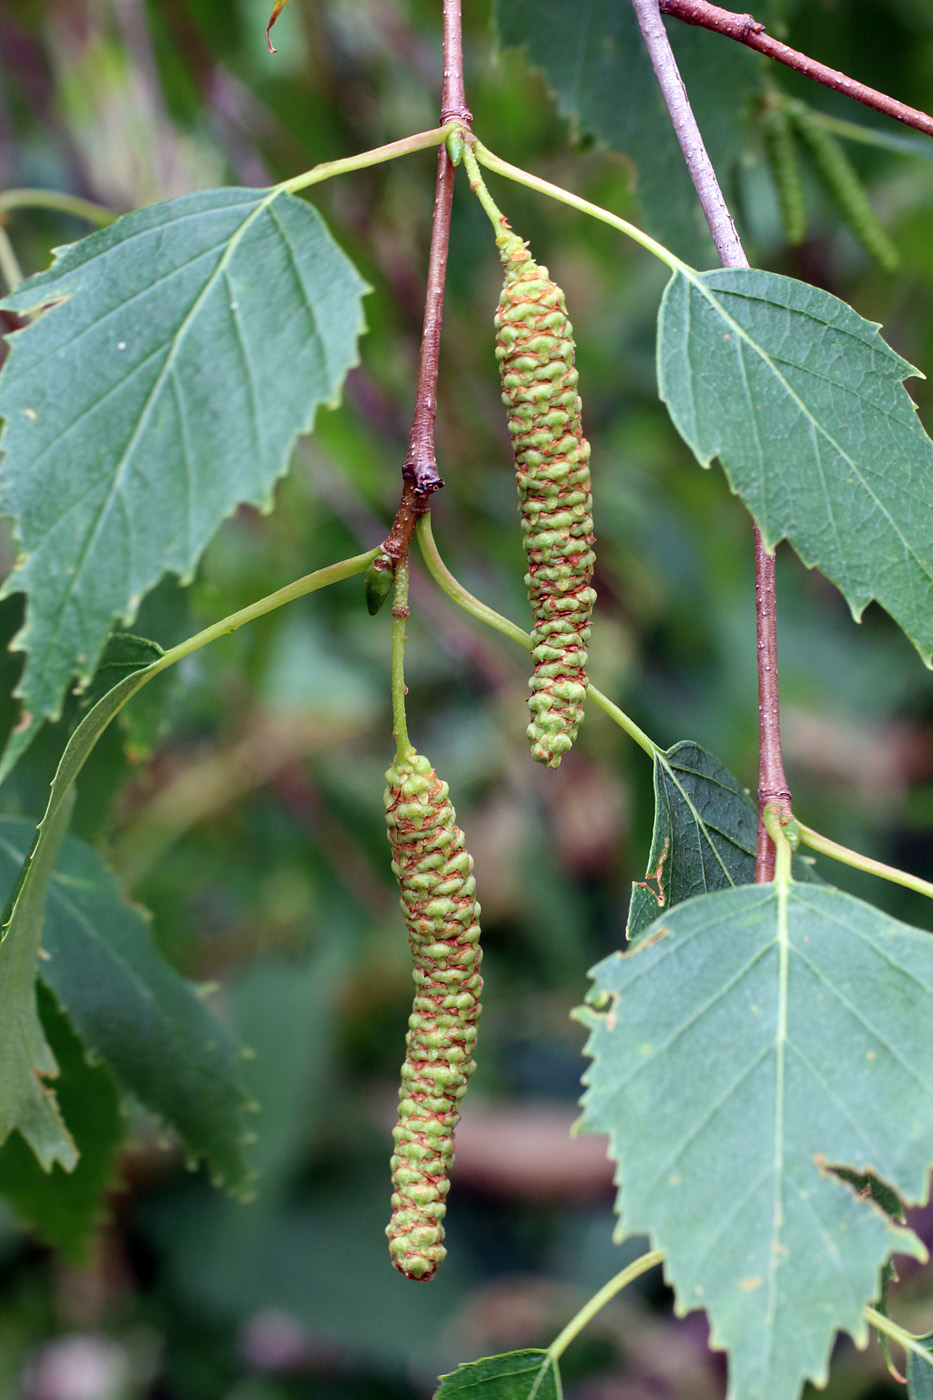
x=183 y=350
x=516 y=1375
x=594 y=58
x=755 y=1039
x=704 y=838
x=920 y=1372
x=27 y=1103
x=64 y=1208
x=132 y=1009
x=803 y=403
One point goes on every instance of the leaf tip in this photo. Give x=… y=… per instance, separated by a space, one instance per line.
x=277 y=9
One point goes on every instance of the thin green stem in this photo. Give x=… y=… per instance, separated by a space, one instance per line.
x=60 y=201
x=480 y=189
x=897 y=1334
x=599 y=1300
x=310 y=583
x=98 y=718
x=98 y=214
x=532 y=182
x=772 y=821
x=816 y=842
x=421 y=141
x=873 y=136
x=400 y=617
x=608 y=707
x=460 y=595
x=483 y=613
x=10 y=270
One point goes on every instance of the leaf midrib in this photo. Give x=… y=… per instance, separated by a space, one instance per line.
x=781 y=888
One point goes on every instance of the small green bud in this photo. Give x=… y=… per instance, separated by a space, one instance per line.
x=455 y=147
x=378 y=579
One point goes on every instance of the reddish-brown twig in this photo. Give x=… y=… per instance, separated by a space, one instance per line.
x=420 y=476
x=750 y=31
x=772 y=785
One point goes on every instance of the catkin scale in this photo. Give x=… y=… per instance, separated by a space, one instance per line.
x=535 y=350
x=438 y=896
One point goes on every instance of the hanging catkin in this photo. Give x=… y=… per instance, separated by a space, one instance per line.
x=435 y=875
x=535 y=351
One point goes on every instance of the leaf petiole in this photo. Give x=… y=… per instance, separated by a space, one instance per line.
x=61 y=202
x=460 y=595
x=479 y=188
x=420 y=141
x=400 y=616
x=845 y=856
x=97 y=719
x=533 y=182
x=43 y=199
x=626 y=723
x=772 y=820
x=308 y=583
x=900 y=1335
x=575 y=1326
x=464 y=599
x=10 y=270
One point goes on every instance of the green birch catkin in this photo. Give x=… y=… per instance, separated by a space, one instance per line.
x=535 y=351
x=435 y=875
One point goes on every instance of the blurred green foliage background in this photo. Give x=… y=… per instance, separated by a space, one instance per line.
x=255 y=830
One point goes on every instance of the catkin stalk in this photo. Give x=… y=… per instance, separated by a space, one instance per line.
x=435 y=876
x=535 y=350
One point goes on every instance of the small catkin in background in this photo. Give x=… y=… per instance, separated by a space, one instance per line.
x=843 y=185
x=535 y=350
x=780 y=149
x=438 y=896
